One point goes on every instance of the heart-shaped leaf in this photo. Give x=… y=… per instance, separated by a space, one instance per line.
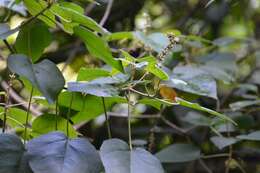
x=254 y=136
x=44 y=75
x=55 y=153
x=12 y=157
x=117 y=158
x=179 y=153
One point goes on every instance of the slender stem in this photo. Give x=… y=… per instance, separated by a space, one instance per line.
x=27 y=116
x=69 y=113
x=6 y=106
x=9 y=46
x=107 y=119
x=56 y=114
x=129 y=121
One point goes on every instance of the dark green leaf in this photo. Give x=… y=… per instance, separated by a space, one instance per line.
x=193 y=80
x=222 y=142
x=117 y=158
x=55 y=153
x=254 y=136
x=93 y=88
x=196 y=106
x=33 y=39
x=12 y=158
x=98 y=47
x=179 y=153
x=38 y=74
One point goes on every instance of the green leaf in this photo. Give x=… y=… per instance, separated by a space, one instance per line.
x=15 y=117
x=178 y=153
x=196 y=106
x=12 y=158
x=33 y=39
x=38 y=74
x=254 y=136
x=193 y=80
x=98 y=47
x=71 y=14
x=54 y=152
x=93 y=88
x=88 y=107
x=36 y=6
x=119 y=36
x=156 y=103
x=47 y=123
x=117 y=158
x=155 y=69
x=222 y=142
x=88 y=74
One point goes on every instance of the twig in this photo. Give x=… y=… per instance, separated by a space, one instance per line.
x=17 y=98
x=175 y=127
x=113 y=114
x=107 y=12
x=69 y=113
x=203 y=164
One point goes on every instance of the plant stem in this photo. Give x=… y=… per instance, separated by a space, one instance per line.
x=27 y=116
x=6 y=106
x=107 y=119
x=56 y=114
x=69 y=113
x=129 y=120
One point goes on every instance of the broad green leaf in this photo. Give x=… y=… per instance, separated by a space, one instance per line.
x=254 y=136
x=117 y=158
x=12 y=155
x=33 y=39
x=155 y=69
x=47 y=123
x=178 y=153
x=98 y=47
x=243 y=104
x=38 y=74
x=15 y=117
x=71 y=14
x=93 y=88
x=119 y=36
x=196 y=106
x=222 y=142
x=193 y=80
x=36 y=6
x=88 y=107
x=88 y=74
x=54 y=152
